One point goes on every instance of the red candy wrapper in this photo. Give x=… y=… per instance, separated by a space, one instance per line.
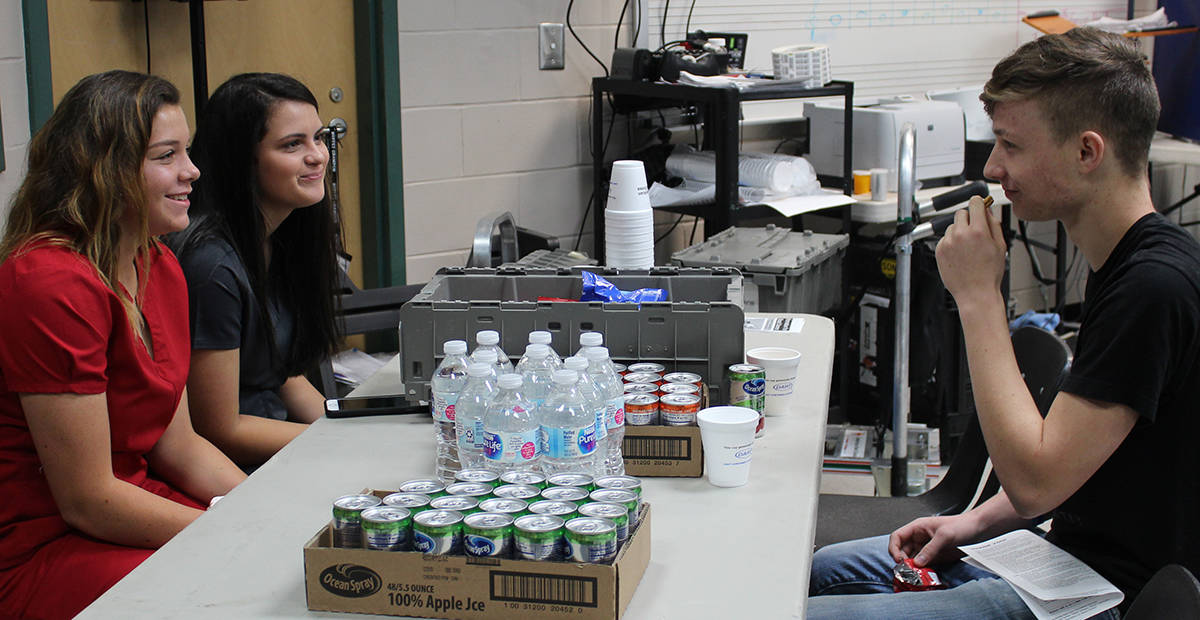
x=907 y=577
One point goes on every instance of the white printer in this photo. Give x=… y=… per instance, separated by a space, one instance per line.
x=940 y=130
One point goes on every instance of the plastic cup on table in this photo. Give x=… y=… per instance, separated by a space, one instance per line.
x=780 y=364
x=727 y=434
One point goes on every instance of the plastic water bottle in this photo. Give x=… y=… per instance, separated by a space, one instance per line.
x=568 y=428
x=447 y=383
x=538 y=370
x=468 y=419
x=488 y=356
x=544 y=337
x=588 y=340
x=596 y=403
x=489 y=340
x=511 y=432
x=612 y=390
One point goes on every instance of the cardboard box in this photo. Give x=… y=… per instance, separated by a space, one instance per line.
x=399 y=583
x=667 y=451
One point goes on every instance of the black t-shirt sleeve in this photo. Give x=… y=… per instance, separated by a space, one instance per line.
x=1122 y=355
x=215 y=297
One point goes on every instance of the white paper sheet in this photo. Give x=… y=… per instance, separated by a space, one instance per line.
x=1052 y=582
x=795 y=205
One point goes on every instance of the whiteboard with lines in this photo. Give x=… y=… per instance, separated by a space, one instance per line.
x=886 y=47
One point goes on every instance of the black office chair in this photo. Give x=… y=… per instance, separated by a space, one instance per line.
x=363 y=311
x=1171 y=593
x=1043 y=359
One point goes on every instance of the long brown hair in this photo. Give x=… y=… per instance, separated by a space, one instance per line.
x=85 y=174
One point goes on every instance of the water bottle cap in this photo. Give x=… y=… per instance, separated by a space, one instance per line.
x=565 y=377
x=455 y=347
x=539 y=337
x=591 y=339
x=487 y=356
x=479 y=370
x=596 y=353
x=575 y=363
x=510 y=380
x=488 y=336
x=537 y=350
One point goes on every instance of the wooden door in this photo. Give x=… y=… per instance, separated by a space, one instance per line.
x=312 y=40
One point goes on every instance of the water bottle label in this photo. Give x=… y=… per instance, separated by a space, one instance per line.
x=478 y=436
x=601 y=427
x=616 y=412
x=568 y=443
x=466 y=438
x=443 y=407
x=504 y=447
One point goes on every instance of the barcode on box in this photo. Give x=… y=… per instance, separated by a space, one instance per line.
x=551 y=589
x=671 y=448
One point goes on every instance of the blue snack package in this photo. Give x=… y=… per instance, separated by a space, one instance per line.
x=596 y=288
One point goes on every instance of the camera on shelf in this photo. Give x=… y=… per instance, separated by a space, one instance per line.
x=700 y=54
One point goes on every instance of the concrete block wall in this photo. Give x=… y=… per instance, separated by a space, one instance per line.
x=485 y=130
x=14 y=104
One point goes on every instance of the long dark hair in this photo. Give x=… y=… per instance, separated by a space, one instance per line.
x=303 y=270
x=85 y=173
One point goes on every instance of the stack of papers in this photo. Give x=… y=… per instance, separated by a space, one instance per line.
x=1051 y=581
x=1157 y=19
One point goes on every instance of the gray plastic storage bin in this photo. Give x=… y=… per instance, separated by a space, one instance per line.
x=784 y=271
x=699 y=330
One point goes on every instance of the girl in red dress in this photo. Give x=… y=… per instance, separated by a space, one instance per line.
x=99 y=464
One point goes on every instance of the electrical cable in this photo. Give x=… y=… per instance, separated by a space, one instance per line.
x=146 y=18
x=612 y=120
x=580 y=41
x=637 y=29
x=1033 y=259
x=687 y=28
x=671 y=229
x=662 y=26
x=692 y=237
x=617 y=32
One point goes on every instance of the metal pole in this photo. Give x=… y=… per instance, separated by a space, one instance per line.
x=906 y=181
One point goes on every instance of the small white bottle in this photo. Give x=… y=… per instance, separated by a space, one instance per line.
x=511 y=432
x=546 y=338
x=489 y=340
x=446 y=384
x=468 y=419
x=588 y=340
x=596 y=403
x=612 y=391
x=568 y=429
x=538 y=370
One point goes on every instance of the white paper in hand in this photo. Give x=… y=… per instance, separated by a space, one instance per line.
x=1051 y=581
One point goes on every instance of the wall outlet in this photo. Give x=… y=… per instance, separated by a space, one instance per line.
x=551 y=46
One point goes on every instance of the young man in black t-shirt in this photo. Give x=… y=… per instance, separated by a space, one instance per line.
x=1114 y=460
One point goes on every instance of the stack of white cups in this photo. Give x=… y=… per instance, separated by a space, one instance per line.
x=628 y=218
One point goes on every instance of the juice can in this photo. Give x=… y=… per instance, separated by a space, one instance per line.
x=558 y=508
x=641 y=409
x=488 y=534
x=591 y=540
x=641 y=388
x=425 y=486
x=653 y=367
x=644 y=377
x=582 y=481
x=460 y=503
x=630 y=500
x=510 y=506
x=518 y=491
x=684 y=377
x=387 y=528
x=617 y=513
x=438 y=532
x=679 y=388
x=414 y=502
x=566 y=494
x=347 y=518
x=748 y=388
x=678 y=409
x=539 y=537
x=485 y=476
x=523 y=477
x=478 y=490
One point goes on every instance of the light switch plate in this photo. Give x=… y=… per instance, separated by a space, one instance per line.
x=550 y=46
